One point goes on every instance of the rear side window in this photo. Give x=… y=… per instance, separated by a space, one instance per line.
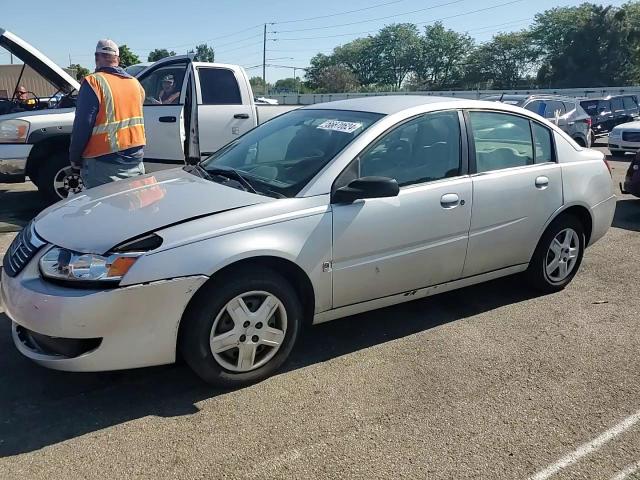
x=569 y=106
x=542 y=143
x=629 y=103
x=219 y=87
x=537 y=106
x=616 y=104
x=500 y=141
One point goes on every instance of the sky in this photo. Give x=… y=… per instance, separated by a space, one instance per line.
x=296 y=30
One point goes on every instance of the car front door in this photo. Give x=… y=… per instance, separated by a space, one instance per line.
x=225 y=110
x=517 y=186
x=387 y=246
x=166 y=87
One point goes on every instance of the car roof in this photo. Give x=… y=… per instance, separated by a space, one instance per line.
x=385 y=104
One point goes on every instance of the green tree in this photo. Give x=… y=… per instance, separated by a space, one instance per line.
x=159 y=54
x=81 y=72
x=257 y=84
x=287 y=85
x=588 y=45
x=337 y=79
x=442 y=60
x=203 y=53
x=361 y=57
x=316 y=72
x=508 y=61
x=398 y=46
x=127 y=57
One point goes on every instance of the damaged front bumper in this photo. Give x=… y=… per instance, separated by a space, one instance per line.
x=13 y=162
x=95 y=330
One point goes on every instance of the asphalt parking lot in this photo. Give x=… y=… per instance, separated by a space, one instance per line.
x=492 y=381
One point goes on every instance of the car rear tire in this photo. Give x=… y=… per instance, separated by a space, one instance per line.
x=558 y=256
x=56 y=180
x=618 y=154
x=241 y=328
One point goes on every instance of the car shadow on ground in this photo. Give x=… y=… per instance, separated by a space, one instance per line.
x=627 y=214
x=18 y=206
x=40 y=407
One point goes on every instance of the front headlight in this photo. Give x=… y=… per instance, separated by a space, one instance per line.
x=14 y=131
x=615 y=133
x=66 y=265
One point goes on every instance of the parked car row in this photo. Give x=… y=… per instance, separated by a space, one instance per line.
x=565 y=112
x=588 y=118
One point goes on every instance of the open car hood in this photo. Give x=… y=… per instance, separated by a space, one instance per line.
x=35 y=59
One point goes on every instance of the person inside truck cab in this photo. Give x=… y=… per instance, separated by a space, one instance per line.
x=169 y=93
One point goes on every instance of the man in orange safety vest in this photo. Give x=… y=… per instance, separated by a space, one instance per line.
x=108 y=135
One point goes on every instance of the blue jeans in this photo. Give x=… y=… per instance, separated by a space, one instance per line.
x=112 y=167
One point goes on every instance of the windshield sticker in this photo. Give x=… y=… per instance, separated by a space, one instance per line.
x=338 y=126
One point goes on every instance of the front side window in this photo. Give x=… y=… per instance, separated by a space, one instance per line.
x=219 y=87
x=421 y=150
x=284 y=154
x=500 y=141
x=164 y=85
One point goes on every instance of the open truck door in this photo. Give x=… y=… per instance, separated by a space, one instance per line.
x=169 y=92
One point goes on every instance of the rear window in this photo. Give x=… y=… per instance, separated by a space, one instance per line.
x=219 y=87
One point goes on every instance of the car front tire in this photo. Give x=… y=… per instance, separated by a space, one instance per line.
x=241 y=328
x=558 y=256
x=57 y=180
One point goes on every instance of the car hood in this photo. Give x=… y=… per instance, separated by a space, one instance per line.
x=98 y=219
x=38 y=61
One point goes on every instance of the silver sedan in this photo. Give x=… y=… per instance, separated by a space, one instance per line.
x=324 y=212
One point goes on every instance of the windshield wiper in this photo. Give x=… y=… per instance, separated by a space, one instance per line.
x=231 y=173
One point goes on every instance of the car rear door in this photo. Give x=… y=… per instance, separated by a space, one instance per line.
x=165 y=122
x=225 y=107
x=517 y=186
x=387 y=246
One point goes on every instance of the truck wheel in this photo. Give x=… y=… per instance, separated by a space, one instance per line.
x=241 y=329
x=57 y=180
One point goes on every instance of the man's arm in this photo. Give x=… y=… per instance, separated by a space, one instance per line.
x=86 y=112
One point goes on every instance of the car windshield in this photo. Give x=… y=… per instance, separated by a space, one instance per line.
x=281 y=156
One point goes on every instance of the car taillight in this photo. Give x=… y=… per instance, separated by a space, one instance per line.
x=589 y=122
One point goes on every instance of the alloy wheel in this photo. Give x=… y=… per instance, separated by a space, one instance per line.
x=562 y=255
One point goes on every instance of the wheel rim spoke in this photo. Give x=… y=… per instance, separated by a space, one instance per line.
x=553 y=266
x=563 y=270
x=266 y=310
x=556 y=247
x=238 y=311
x=224 y=341
x=272 y=337
x=246 y=356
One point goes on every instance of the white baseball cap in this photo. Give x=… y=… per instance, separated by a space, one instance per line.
x=108 y=47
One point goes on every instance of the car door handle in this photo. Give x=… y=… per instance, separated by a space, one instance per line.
x=241 y=116
x=167 y=119
x=542 y=183
x=450 y=200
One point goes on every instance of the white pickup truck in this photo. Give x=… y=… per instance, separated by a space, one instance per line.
x=216 y=105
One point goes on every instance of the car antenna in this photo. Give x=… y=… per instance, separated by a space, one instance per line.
x=501 y=97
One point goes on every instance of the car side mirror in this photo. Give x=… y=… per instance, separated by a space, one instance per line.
x=367 y=187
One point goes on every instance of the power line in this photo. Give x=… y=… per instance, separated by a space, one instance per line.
x=446 y=4
x=239 y=47
x=338 y=14
x=419 y=23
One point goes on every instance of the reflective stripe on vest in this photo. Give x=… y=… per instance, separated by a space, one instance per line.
x=119 y=123
x=110 y=128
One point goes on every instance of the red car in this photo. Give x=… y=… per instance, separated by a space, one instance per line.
x=632 y=179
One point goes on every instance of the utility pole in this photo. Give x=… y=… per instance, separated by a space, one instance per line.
x=12 y=59
x=69 y=59
x=295 y=81
x=264 y=59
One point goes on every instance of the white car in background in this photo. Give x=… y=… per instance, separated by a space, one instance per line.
x=624 y=138
x=324 y=212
